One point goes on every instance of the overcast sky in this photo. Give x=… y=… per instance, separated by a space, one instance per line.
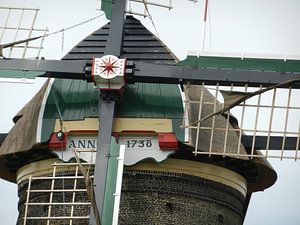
x=244 y=26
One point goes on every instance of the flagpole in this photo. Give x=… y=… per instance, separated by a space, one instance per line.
x=204 y=25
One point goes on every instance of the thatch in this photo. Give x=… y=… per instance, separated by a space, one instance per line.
x=22 y=137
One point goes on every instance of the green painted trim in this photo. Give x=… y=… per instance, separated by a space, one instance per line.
x=111 y=180
x=179 y=132
x=75 y=99
x=20 y=74
x=106 y=6
x=276 y=65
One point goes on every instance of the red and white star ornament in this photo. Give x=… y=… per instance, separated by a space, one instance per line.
x=108 y=72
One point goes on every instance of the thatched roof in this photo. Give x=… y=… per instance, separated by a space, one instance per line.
x=22 y=137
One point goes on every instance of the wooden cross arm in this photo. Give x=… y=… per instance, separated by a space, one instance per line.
x=153 y=73
x=66 y=69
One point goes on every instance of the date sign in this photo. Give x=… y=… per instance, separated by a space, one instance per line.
x=137 y=148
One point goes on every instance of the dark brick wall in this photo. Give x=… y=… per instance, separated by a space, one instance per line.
x=58 y=197
x=169 y=198
x=149 y=198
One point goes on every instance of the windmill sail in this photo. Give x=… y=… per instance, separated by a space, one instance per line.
x=268 y=118
x=19 y=38
x=18 y=33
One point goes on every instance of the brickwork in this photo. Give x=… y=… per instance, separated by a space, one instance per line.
x=169 y=198
x=149 y=198
x=58 y=197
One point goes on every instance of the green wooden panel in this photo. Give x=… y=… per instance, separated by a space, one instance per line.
x=19 y=74
x=151 y=101
x=106 y=6
x=276 y=65
x=176 y=123
x=76 y=100
x=110 y=187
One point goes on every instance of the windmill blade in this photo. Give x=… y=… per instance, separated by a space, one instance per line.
x=258 y=111
x=17 y=30
x=181 y=73
x=234 y=98
x=71 y=69
x=268 y=121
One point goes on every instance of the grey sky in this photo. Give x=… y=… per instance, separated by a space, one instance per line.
x=245 y=26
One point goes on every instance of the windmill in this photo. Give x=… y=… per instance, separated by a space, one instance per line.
x=168 y=79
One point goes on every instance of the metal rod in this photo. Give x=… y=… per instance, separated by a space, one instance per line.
x=204 y=26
